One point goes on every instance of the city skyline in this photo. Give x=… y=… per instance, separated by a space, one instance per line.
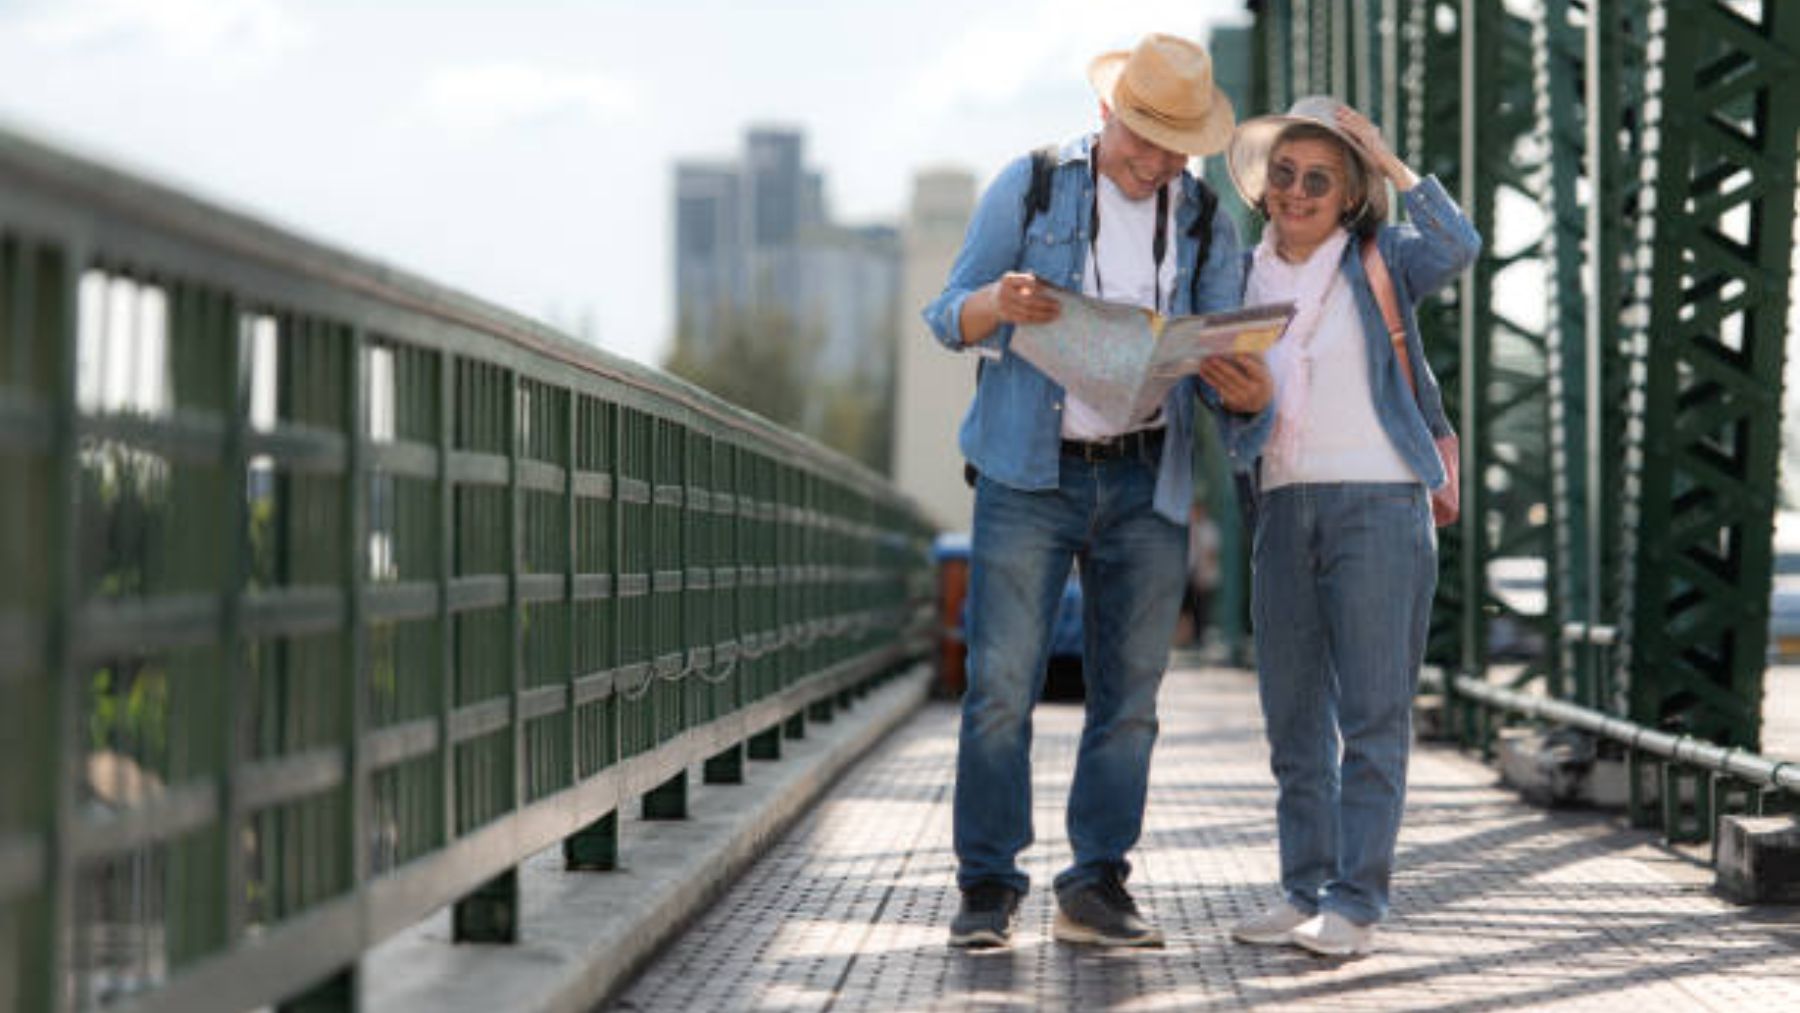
x=756 y=233
x=522 y=152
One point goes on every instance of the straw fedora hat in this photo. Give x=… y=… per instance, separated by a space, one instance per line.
x=1163 y=90
x=1248 y=156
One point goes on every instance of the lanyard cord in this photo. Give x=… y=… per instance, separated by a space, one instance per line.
x=1158 y=246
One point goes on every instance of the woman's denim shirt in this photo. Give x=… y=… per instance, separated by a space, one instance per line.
x=1435 y=245
x=1013 y=430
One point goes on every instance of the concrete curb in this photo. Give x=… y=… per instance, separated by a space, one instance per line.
x=582 y=935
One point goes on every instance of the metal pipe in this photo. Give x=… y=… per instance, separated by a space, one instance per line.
x=1684 y=749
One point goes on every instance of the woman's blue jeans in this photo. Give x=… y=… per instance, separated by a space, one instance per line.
x=1341 y=601
x=1132 y=570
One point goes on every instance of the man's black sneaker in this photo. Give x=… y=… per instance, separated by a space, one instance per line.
x=986 y=916
x=1102 y=913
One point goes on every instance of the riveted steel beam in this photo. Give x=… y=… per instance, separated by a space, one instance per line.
x=1705 y=433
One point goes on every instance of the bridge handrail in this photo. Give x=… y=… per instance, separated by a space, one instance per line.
x=1741 y=764
x=331 y=593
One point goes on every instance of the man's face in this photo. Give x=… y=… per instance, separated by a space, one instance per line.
x=1136 y=166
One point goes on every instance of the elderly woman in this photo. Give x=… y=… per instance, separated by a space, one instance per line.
x=1345 y=559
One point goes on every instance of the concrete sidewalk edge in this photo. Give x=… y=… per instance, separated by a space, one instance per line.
x=585 y=934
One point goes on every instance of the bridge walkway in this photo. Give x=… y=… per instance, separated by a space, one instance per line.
x=1498 y=905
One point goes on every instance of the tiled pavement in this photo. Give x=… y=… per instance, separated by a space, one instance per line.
x=1497 y=905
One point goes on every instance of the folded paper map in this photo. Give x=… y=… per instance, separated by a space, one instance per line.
x=1121 y=360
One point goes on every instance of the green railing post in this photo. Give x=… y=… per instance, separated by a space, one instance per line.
x=342 y=991
x=333 y=995
x=1729 y=797
x=726 y=767
x=766 y=745
x=595 y=847
x=445 y=566
x=1643 y=789
x=49 y=284
x=1686 y=804
x=668 y=800
x=491 y=913
x=1775 y=802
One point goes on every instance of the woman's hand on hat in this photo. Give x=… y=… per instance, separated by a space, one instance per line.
x=1243 y=381
x=1368 y=137
x=1019 y=298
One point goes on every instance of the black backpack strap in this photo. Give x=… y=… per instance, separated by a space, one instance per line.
x=1037 y=195
x=1201 y=230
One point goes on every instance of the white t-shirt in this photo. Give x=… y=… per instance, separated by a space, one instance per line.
x=1342 y=439
x=1124 y=250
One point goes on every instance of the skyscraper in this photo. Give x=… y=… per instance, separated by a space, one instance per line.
x=756 y=237
x=932 y=386
x=708 y=259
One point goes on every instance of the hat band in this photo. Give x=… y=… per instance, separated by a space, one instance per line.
x=1129 y=100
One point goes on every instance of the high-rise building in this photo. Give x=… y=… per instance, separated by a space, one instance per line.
x=708 y=258
x=756 y=236
x=933 y=386
x=776 y=202
x=737 y=232
x=849 y=289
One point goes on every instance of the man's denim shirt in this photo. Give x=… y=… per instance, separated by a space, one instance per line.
x=1013 y=430
x=1436 y=244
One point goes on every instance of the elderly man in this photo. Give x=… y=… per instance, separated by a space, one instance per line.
x=1058 y=484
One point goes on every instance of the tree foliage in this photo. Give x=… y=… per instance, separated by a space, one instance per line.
x=759 y=360
x=763 y=361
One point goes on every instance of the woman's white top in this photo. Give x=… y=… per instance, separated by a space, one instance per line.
x=1124 y=245
x=1341 y=438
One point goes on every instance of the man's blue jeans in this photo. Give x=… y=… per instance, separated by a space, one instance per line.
x=1341 y=600
x=1132 y=568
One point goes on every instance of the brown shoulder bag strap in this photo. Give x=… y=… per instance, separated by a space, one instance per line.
x=1382 y=284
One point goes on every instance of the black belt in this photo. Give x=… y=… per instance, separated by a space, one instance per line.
x=1142 y=443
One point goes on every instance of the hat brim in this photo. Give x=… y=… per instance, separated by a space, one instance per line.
x=1247 y=158
x=1209 y=138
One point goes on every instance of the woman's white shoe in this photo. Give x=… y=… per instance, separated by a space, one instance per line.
x=1273 y=927
x=1332 y=935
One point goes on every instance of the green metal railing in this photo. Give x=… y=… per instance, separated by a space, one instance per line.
x=330 y=595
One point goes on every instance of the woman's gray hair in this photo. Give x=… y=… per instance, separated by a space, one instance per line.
x=1356 y=174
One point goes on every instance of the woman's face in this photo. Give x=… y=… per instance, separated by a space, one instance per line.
x=1305 y=191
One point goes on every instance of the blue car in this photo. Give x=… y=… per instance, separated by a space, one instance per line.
x=1063 y=680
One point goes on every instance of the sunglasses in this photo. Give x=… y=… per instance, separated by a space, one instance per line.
x=1314 y=183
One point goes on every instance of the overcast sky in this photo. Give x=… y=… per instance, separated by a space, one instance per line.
x=521 y=150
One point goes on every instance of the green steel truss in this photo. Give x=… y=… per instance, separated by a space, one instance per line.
x=1506 y=492
x=1705 y=430
x=1590 y=125
x=331 y=595
x=1558 y=50
x=1431 y=56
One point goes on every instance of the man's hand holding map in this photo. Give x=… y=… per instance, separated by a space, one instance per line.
x=1121 y=360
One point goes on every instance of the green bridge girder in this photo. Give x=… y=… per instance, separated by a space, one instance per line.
x=1614 y=359
x=1705 y=434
